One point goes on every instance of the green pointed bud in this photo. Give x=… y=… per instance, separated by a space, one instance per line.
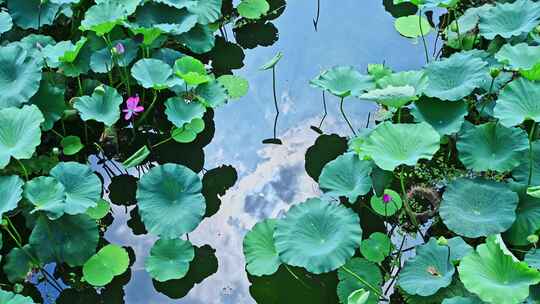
x=442 y=241
x=494 y=73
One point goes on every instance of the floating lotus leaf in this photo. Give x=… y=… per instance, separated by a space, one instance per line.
x=532 y=258
x=518 y=101
x=169 y=259
x=521 y=172
x=384 y=208
x=496 y=277
x=412 y=26
x=100 y=211
x=509 y=19
x=170 y=200
x=212 y=94
x=6 y=23
x=20 y=133
x=165 y=18
x=102 y=106
x=32 y=14
x=259 y=249
x=343 y=81
x=47 y=195
x=318 y=235
x=491 y=210
x=81 y=184
x=199 y=39
x=236 y=86
x=189 y=131
x=208 y=11
x=455 y=77
x=428 y=271
x=445 y=117
x=458 y=248
x=360 y=296
x=21 y=76
x=71 y=239
x=71 y=145
x=491 y=146
x=519 y=56
x=377 y=247
x=13 y=298
x=50 y=101
x=391 y=96
x=10 y=192
x=102 y=267
x=102 y=17
x=19 y=264
x=527 y=218
x=191 y=70
x=180 y=112
x=391 y=145
x=347 y=176
x=253 y=9
x=152 y=73
x=462 y=300
x=348 y=283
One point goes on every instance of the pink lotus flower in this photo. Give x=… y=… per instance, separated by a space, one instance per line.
x=386 y=198
x=132 y=107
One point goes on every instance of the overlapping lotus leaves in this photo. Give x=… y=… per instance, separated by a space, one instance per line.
x=191 y=70
x=108 y=262
x=212 y=94
x=20 y=76
x=347 y=176
x=532 y=258
x=458 y=248
x=455 y=77
x=428 y=271
x=208 y=11
x=102 y=17
x=527 y=218
x=32 y=14
x=259 y=249
x=359 y=296
x=521 y=172
x=253 y=9
x=445 y=117
x=199 y=39
x=391 y=96
x=391 y=145
x=494 y=276
x=6 y=23
x=517 y=102
x=343 y=81
x=20 y=133
x=71 y=239
x=180 y=112
x=165 y=18
x=177 y=3
x=412 y=26
x=415 y=79
x=519 y=56
x=13 y=298
x=102 y=106
x=47 y=195
x=462 y=300
x=455 y=289
x=491 y=146
x=348 y=283
x=19 y=263
x=169 y=259
x=50 y=101
x=189 y=131
x=170 y=200
x=377 y=247
x=509 y=19
x=102 y=61
x=11 y=192
x=236 y=86
x=318 y=235
x=152 y=73
x=81 y=184
x=491 y=210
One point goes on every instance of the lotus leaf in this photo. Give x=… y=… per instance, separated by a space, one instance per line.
x=445 y=117
x=317 y=235
x=412 y=26
x=348 y=283
x=259 y=249
x=458 y=248
x=108 y=262
x=347 y=176
x=170 y=200
x=494 y=276
x=236 y=86
x=462 y=300
x=208 y=11
x=386 y=208
x=102 y=17
x=165 y=18
x=152 y=73
x=47 y=195
x=100 y=211
x=527 y=218
x=391 y=145
x=13 y=298
x=180 y=112
x=102 y=106
x=169 y=259
x=509 y=19
x=428 y=271
x=191 y=70
x=518 y=101
x=212 y=94
x=391 y=96
x=32 y=14
x=177 y=3
x=199 y=39
x=378 y=71
x=189 y=131
x=50 y=101
x=377 y=247
x=415 y=79
x=11 y=193
x=519 y=56
x=343 y=81
x=71 y=145
x=19 y=264
x=6 y=23
x=101 y=61
x=532 y=258
x=359 y=296
x=253 y=9
x=521 y=172
x=491 y=210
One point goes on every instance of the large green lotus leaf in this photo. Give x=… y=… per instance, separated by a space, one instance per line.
x=170 y=200
x=532 y=74
x=73 y=51
x=496 y=277
x=19 y=264
x=47 y=195
x=50 y=101
x=253 y=9
x=455 y=289
x=11 y=192
x=521 y=172
x=377 y=247
x=236 y=86
x=6 y=23
x=71 y=239
x=20 y=133
x=456 y=76
x=259 y=249
x=81 y=184
x=169 y=259
x=191 y=70
x=208 y=11
x=462 y=300
x=343 y=81
x=212 y=94
x=318 y=235
x=102 y=17
x=532 y=258
x=519 y=56
x=102 y=106
x=527 y=218
x=518 y=101
x=491 y=146
x=381 y=207
x=180 y=112
x=428 y=271
x=199 y=39
x=359 y=296
x=108 y=262
x=415 y=79
x=412 y=26
x=347 y=176
x=391 y=145
x=391 y=96
x=7 y=297
x=53 y=52
x=100 y=211
x=177 y=3
x=152 y=73
x=491 y=210
x=32 y=14
x=509 y=19
x=348 y=283
x=19 y=77
x=445 y=117
x=165 y=18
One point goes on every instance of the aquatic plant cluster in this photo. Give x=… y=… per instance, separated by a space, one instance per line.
x=451 y=167
x=131 y=84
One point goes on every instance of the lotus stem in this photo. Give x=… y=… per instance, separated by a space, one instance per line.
x=408 y=209
x=325 y=110
x=150 y=108
x=316 y=19
x=457 y=27
x=275 y=100
x=345 y=116
x=422 y=34
x=23 y=169
x=366 y=283
x=531 y=137
x=296 y=277
x=161 y=142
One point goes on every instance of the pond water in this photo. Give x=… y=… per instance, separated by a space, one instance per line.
x=271 y=177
